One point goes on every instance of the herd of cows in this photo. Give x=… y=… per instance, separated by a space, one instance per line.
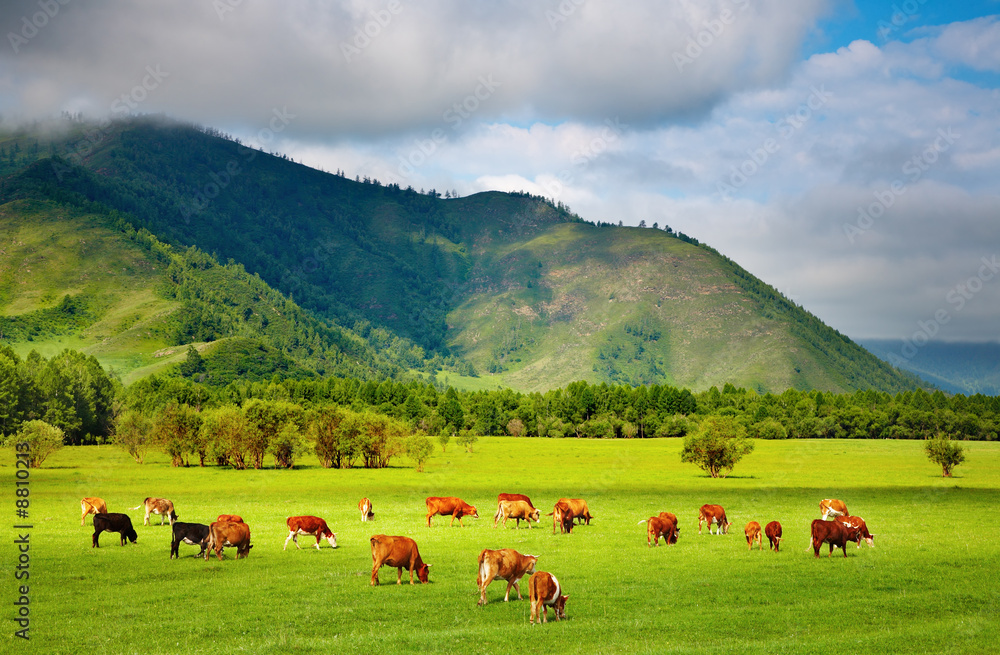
x=544 y=590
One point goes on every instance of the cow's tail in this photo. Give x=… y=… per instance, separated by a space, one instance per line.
x=642 y=521
x=482 y=568
x=136 y=507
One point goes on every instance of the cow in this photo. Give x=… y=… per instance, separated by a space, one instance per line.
x=195 y=534
x=503 y=497
x=224 y=533
x=831 y=507
x=505 y=564
x=92 y=506
x=660 y=526
x=516 y=509
x=450 y=506
x=365 y=506
x=773 y=532
x=160 y=506
x=579 y=507
x=230 y=518
x=399 y=552
x=310 y=525
x=857 y=530
x=829 y=532
x=752 y=532
x=713 y=514
x=114 y=522
x=544 y=591
x=562 y=515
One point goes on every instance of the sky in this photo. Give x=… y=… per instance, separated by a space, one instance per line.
x=848 y=153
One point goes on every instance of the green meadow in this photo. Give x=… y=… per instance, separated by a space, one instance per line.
x=930 y=585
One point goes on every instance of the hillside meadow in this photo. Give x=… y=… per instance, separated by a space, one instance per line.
x=929 y=585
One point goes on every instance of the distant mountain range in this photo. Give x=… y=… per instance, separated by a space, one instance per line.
x=967 y=368
x=132 y=239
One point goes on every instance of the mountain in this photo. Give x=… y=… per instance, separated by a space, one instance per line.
x=966 y=368
x=503 y=289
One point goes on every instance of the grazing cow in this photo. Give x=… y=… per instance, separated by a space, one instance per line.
x=224 y=533
x=829 y=532
x=773 y=532
x=365 y=506
x=544 y=591
x=752 y=532
x=195 y=534
x=310 y=525
x=579 y=507
x=160 y=506
x=713 y=514
x=660 y=526
x=831 y=507
x=505 y=564
x=503 y=497
x=114 y=522
x=450 y=506
x=516 y=509
x=857 y=530
x=230 y=518
x=399 y=552
x=562 y=515
x=92 y=506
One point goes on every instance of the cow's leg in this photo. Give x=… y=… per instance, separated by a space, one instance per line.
x=512 y=583
x=545 y=613
x=175 y=549
x=95 y=544
x=376 y=565
x=290 y=535
x=534 y=612
x=484 y=583
x=399 y=575
x=319 y=535
x=429 y=515
x=145 y=521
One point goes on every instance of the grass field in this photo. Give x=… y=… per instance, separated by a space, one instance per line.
x=929 y=585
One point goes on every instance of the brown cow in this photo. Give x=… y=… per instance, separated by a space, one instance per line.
x=832 y=507
x=518 y=510
x=224 y=533
x=230 y=518
x=450 y=506
x=544 y=591
x=505 y=564
x=773 y=532
x=580 y=511
x=829 y=532
x=713 y=514
x=399 y=552
x=660 y=526
x=857 y=530
x=562 y=515
x=310 y=525
x=160 y=506
x=92 y=506
x=752 y=532
x=365 y=507
x=503 y=497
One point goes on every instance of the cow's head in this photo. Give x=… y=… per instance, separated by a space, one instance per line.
x=130 y=534
x=243 y=551
x=332 y=538
x=422 y=573
x=725 y=526
x=535 y=515
x=560 y=607
x=530 y=561
x=470 y=510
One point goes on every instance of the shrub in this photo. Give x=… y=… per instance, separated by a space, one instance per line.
x=944 y=452
x=133 y=434
x=38 y=439
x=419 y=449
x=717 y=446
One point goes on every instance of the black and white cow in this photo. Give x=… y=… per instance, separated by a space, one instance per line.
x=195 y=534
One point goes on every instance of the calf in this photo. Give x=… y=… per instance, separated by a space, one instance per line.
x=92 y=506
x=450 y=506
x=114 y=522
x=224 y=533
x=399 y=552
x=516 y=509
x=503 y=497
x=505 y=564
x=310 y=525
x=660 y=526
x=857 y=530
x=713 y=514
x=195 y=534
x=832 y=507
x=829 y=532
x=160 y=506
x=773 y=532
x=230 y=518
x=365 y=506
x=752 y=532
x=544 y=591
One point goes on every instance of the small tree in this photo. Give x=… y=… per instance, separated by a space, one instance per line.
x=443 y=439
x=942 y=450
x=718 y=445
x=287 y=445
x=133 y=434
x=515 y=427
x=467 y=439
x=38 y=439
x=419 y=449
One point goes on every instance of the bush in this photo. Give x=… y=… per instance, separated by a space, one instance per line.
x=419 y=449
x=467 y=439
x=38 y=439
x=944 y=452
x=287 y=445
x=227 y=435
x=717 y=446
x=133 y=434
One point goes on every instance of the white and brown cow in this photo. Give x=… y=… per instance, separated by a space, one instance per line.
x=223 y=533
x=160 y=506
x=713 y=515
x=544 y=591
x=518 y=510
x=92 y=506
x=752 y=532
x=832 y=508
x=365 y=507
x=313 y=526
x=857 y=530
x=505 y=564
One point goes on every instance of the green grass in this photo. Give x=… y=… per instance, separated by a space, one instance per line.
x=929 y=585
